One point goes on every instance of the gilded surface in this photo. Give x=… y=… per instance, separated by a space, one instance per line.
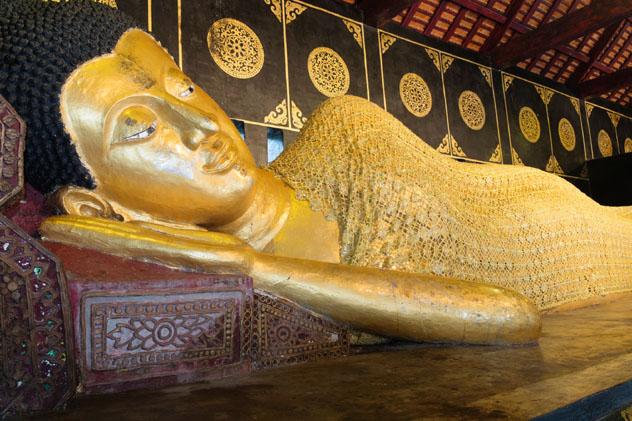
x=434 y=56
x=614 y=117
x=472 y=110
x=328 y=72
x=456 y=148
x=444 y=146
x=446 y=61
x=497 y=155
x=575 y=103
x=275 y=8
x=515 y=158
x=507 y=80
x=279 y=115
x=627 y=145
x=487 y=74
x=529 y=124
x=428 y=248
x=235 y=48
x=292 y=11
x=298 y=120
x=545 y=94
x=604 y=143
x=111 y=3
x=356 y=31
x=209 y=208
x=415 y=94
x=435 y=224
x=589 y=109
x=386 y=41
x=566 y=134
x=553 y=165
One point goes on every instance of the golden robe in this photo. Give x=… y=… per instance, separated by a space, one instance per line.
x=400 y=204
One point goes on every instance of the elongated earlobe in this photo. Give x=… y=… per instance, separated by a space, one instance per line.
x=83 y=202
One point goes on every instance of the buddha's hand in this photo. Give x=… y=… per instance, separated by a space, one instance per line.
x=174 y=247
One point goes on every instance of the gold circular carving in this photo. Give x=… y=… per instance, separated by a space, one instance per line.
x=328 y=72
x=235 y=48
x=529 y=124
x=604 y=143
x=472 y=110
x=566 y=133
x=415 y=94
x=627 y=145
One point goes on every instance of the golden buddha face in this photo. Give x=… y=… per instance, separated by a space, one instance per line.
x=154 y=142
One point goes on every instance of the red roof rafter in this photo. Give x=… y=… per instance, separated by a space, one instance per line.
x=599 y=47
x=494 y=38
x=565 y=29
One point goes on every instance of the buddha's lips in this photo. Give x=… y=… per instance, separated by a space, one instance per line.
x=220 y=160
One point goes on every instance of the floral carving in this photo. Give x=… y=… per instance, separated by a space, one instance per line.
x=415 y=94
x=178 y=332
x=328 y=72
x=472 y=110
x=235 y=48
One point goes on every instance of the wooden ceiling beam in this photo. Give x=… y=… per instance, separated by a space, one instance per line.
x=565 y=29
x=536 y=59
x=454 y=25
x=551 y=10
x=600 y=46
x=379 y=12
x=606 y=83
x=410 y=14
x=435 y=17
x=473 y=32
x=515 y=25
x=500 y=29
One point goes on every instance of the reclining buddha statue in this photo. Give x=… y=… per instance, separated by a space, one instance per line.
x=358 y=219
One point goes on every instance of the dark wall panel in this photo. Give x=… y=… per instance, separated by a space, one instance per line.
x=527 y=120
x=235 y=51
x=471 y=109
x=325 y=58
x=271 y=62
x=602 y=131
x=566 y=134
x=413 y=88
x=136 y=9
x=624 y=133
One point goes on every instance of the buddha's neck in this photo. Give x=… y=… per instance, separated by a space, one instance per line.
x=266 y=215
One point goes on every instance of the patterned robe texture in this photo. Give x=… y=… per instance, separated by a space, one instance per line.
x=401 y=205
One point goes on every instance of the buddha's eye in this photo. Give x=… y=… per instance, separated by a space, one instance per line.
x=135 y=123
x=145 y=133
x=178 y=84
x=187 y=92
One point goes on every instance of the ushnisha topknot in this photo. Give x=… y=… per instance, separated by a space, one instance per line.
x=41 y=43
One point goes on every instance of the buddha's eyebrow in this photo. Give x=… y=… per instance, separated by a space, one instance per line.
x=136 y=74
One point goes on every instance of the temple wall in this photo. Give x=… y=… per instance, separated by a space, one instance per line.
x=295 y=54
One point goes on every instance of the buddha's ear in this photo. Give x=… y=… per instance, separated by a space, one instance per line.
x=83 y=202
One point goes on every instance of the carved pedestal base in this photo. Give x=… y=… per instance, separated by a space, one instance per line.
x=285 y=334
x=139 y=325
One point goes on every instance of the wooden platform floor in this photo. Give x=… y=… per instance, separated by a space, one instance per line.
x=582 y=352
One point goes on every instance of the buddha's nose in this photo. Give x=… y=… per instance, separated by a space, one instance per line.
x=196 y=127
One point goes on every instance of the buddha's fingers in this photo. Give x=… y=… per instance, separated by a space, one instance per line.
x=137 y=242
x=208 y=237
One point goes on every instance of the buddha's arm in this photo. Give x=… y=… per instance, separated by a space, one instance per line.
x=388 y=303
